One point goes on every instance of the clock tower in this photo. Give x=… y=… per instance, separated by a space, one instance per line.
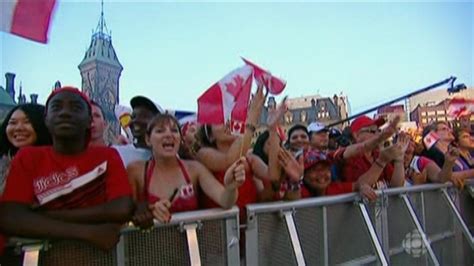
x=100 y=71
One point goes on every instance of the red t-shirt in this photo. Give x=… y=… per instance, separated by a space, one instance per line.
x=356 y=166
x=41 y=177
x=335 y=188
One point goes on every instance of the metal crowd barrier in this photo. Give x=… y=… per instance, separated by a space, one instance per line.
x=430 y=224
x=207 y=237
x=424 y=225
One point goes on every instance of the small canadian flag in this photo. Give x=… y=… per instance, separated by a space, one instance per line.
x=237 y=127
x=430 y=140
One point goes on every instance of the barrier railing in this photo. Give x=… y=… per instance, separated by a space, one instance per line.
x=422 y=225
x=207 y=237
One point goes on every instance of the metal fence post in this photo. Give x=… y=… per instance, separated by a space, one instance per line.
x=298 y=251
x=459 y=219
x=193 y=245
x=420 y=229
x=373 y=235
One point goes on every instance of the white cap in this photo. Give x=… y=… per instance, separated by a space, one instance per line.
x=317 y=127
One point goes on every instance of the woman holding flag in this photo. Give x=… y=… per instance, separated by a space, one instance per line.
x=219 y=149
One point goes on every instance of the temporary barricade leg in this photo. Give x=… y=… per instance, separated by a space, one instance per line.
x=420 y=229
x=459 y=219
x=193 y=245
x=325 y=236
x=31 y=255
x=290 y=223
x=232 y=236
x=373 y=235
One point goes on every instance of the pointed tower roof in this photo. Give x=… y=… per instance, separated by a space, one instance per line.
x=100 y=48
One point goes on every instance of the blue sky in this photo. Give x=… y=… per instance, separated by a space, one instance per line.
x=172 y=52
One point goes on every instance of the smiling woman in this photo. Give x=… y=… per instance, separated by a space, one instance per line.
x=23 y=126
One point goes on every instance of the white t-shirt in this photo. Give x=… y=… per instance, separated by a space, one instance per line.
x=129 y=153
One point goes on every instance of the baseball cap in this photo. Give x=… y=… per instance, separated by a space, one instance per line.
x=312 y=157
x=147 y=103
x=365 y=121
x=317 y=127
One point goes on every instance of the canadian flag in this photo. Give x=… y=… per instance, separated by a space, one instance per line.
x=273 y=84
x=227 y=100
x=430 y=139
x=27 y=18
x=459 y=107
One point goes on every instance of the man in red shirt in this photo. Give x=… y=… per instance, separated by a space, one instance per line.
x=379 y=169
x=67 y=190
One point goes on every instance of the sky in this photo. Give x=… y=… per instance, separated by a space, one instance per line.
x=173 y=51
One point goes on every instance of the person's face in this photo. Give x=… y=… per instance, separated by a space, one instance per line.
x=20 y=131
x=366 y=133
x=140 y=118
x=164 y=139
x=98 y=123
x=221 y=133
x=466 y=141
x=444 y=132
x=190 y=136
x=299 y=140
x=67 y=115
x=318 y=176
x=320 y=140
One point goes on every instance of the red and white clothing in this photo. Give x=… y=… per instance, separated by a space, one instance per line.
x=356 y=166
x=418 y=165
x=334 y=188
x=41 y=177
x=186 y=198
x=247 y=193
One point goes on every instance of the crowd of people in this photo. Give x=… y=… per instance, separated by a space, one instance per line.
x=57 y=171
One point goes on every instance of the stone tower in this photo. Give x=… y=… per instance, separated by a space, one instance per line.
x=100 y=71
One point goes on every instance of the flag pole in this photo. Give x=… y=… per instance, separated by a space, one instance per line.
x=411 y=94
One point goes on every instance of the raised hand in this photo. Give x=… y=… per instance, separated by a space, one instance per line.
x=403 y=141
x=390 y=129
x=275 y=116
x=235 y=174
x=160 y=210
x=294 y=169
x=452 y=155
x=256 y=106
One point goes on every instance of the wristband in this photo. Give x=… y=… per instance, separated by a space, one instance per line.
x=379 y=164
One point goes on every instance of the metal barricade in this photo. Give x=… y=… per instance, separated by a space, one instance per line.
x=317 y=231
x=423 y=225
x=207 y=237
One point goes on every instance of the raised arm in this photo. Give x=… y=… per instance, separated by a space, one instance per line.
x=216 y=160
x=374 y=142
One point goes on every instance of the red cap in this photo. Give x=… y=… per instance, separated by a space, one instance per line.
x=313 y=157
x=72 y=90
x=82 y=95
x=365 y=121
